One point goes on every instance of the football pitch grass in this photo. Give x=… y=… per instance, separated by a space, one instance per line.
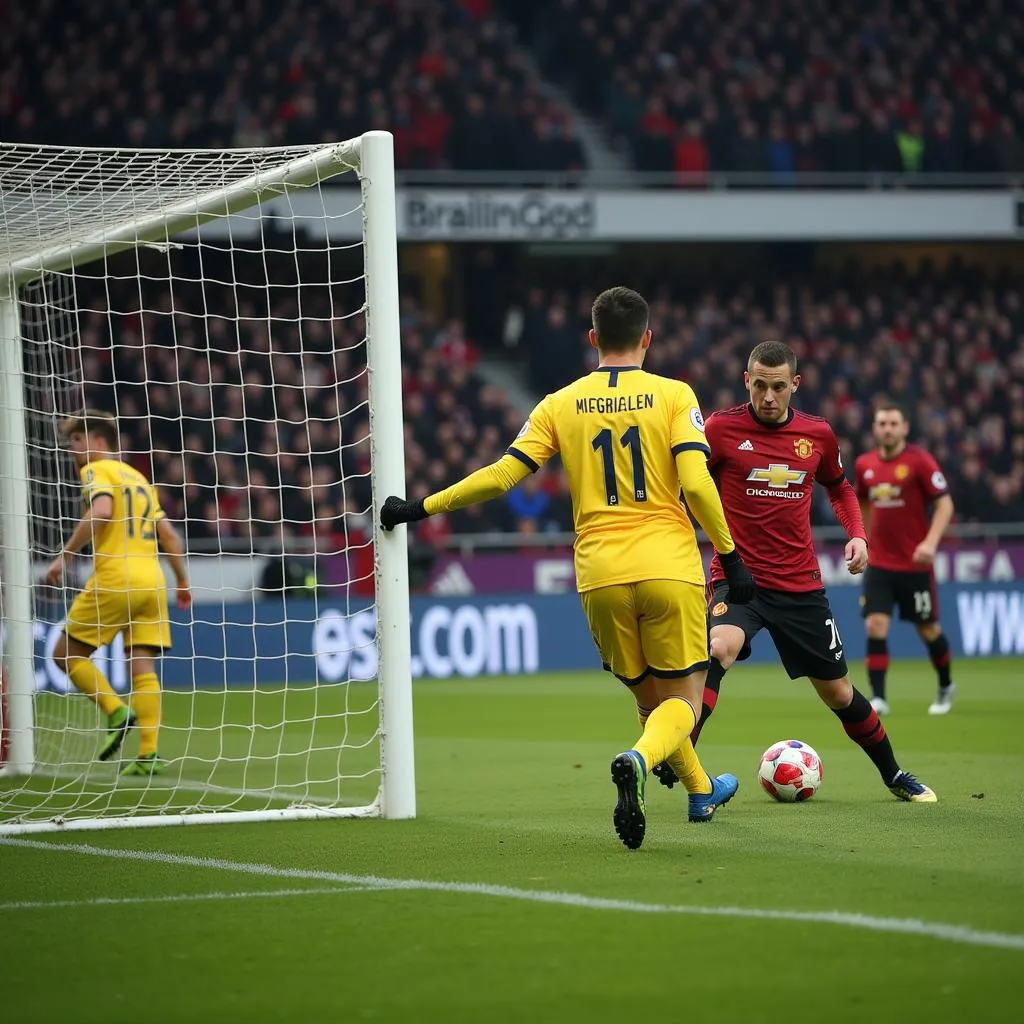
x=510 y=899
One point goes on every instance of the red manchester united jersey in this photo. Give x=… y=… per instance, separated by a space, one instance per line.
x=898 y=491
x=765 y=475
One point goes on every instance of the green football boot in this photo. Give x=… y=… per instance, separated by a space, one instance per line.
x=118 y=725
x=148 y=764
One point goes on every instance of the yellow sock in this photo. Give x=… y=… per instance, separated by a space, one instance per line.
x=690 y=772
x=88 y=679
x=667 y=726
x=146 y=704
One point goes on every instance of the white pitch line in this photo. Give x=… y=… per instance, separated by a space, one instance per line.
x=956 y=933
x=193 y=897
x=168 y=783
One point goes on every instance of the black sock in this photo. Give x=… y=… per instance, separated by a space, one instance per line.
x=712 y=685
x=938 y=651
x=878 y=664
x=865 y=728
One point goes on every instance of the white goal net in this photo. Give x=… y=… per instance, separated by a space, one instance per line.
x=239 y=319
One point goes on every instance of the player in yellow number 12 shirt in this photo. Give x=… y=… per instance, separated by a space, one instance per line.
x=629 y=440
x=127 y=592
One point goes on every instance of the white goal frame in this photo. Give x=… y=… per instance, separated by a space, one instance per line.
x=371 y=156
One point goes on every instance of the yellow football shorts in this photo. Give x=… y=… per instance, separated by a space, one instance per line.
x=657 y=627
x=96 y=616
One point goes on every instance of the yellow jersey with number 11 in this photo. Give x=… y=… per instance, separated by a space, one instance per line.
x=619 y=430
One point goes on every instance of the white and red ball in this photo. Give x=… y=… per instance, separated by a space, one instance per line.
x=790 y=771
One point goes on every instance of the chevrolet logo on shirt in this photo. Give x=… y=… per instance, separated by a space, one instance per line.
x=886 y=495
x=884 y=492
x=778 y=475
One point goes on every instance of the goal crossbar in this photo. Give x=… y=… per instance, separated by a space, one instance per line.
x=25 y=261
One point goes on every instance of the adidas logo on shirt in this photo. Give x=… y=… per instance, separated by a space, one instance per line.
x=745 y=447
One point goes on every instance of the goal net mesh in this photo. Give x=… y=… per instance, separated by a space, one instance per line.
x=229 y=340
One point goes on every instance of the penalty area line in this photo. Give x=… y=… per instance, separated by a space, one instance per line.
x=959 y=934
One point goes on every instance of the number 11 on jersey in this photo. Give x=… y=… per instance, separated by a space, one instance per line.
x=603 y=443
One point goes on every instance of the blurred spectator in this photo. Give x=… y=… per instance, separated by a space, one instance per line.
x=780 y=153
x=979 y=152
x=910 y=142
x=881 y=152
x=691 y=155
x=747 y=154
x=529 y=501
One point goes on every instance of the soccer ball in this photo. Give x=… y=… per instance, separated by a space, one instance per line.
x=790 y=771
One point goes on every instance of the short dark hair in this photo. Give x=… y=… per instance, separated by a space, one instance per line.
x=620 y=317
x=887 y=406
x=92 y=421
x=772 y=353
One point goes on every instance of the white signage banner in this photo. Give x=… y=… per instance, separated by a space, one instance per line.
x=626 y=215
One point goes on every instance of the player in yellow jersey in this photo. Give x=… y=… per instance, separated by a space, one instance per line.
x=127 y=592
x=629 y=440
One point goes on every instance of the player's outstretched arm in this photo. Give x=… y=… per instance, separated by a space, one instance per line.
x=704 y=501
x=97 y=515
x=490 y=482
x=171 y=545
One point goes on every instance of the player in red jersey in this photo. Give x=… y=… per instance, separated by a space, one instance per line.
x=897 y=483
x=765 y=457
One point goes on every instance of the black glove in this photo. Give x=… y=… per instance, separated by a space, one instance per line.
x=737 y=575
x=398 y=510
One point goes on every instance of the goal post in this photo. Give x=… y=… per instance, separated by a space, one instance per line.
x=15 y=554
x=398 y=792
x=217 y=246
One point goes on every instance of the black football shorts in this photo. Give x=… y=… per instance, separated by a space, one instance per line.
x=801 y=625
x=913 y=593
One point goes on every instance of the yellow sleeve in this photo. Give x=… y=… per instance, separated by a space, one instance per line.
x=702 y=497
x=156 y=511
x=95 y=482
x=538 y=440
x=686 y=433
x=490 y=482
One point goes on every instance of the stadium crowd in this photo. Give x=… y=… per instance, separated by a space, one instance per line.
x=691 y=87
x=789 y=86
x=949 y=347
x=441 y=75
x=252 y=418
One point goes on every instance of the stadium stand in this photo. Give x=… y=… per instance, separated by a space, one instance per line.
x=442 y=76
x=694 y=88
x=789 y=86
x=265 y=468
x=948 y=346
x=243 y=438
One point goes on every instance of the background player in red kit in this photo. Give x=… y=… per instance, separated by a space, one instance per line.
x=897 y=483
x=765 y=457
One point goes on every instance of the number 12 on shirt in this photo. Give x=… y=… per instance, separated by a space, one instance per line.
x=605 y=444
x=148 y=527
